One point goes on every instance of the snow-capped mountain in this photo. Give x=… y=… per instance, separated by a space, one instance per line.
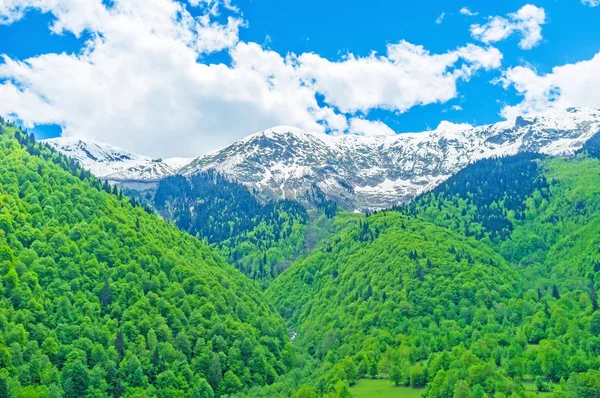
x=116 y=164
x=356 y=171
x=376 y=172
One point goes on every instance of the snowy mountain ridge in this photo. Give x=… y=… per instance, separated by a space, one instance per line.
x=360 y=172
x=115 y=164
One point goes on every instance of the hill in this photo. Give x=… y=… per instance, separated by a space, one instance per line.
x=100 y=298
x=394 y=291
x=532 y=209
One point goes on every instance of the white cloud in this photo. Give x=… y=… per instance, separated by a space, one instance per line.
x=139 y=82
x=591 y=3
x=457 y=108
x=575 y=84
x=527 y=21
x=71 y=15
x=440 y=19
x=466 y=11
x=361 y=126
x=407 y=76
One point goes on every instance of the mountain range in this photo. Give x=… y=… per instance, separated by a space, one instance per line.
x=357 y=172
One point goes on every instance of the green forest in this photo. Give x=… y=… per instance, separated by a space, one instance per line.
x=100 y=298
x=484 y=287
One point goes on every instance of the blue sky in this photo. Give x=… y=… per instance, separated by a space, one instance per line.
x=330 y=29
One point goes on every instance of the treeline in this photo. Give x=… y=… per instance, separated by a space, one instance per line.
x=35 y=148
x=484 y=199
x=258 y=238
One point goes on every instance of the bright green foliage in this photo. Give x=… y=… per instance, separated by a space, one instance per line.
x=99 y=298
x=485 y=287
x=396 y=375
x=392 y=291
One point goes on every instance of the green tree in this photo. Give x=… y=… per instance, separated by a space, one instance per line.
x=120 y=345
x=540 y=385
x=204 y=390
x=373 y=371
x=462 y=389
x=231 y=383
x=215 y=372
x=555 y=292
x=478 y=392
x=75 y=377
x=418 y=375
x=305 y=392
x=350 y=370
x=395 y=375
x=342 y=390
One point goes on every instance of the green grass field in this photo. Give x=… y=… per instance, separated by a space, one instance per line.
x=531 y=389
x=368 y=388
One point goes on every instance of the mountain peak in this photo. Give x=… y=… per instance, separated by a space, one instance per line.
x=278 y=132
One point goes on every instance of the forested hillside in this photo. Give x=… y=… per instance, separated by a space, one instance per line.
x=531 y=209
x=100 y=298
x=502 y=290
x=393 y=292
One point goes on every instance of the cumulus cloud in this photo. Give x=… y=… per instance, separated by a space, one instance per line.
x=576 y=84
x=466 y=11
x=449 y=127
x=408 y=75
x=527 y=22
x=139 y=81
x=70 y=15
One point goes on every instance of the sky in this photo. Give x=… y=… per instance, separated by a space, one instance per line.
x=169 y=78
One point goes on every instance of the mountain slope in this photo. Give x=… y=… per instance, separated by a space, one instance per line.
x=99 y=298
x=361 y=172
x=258 y=238
x=534 y=210
x=391 y=290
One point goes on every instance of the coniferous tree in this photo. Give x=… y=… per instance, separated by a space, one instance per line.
x=593 y=296
x=120 y=345
x=105 y=294
x=555 y=292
